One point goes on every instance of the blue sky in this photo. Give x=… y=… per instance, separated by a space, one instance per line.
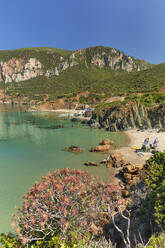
x=136 y=27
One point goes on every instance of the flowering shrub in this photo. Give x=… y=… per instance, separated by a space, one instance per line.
x=65 y=201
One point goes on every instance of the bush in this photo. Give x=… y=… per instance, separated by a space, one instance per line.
x=64 y=202
x=156 y=180
x=156 y=241
x=9 y=240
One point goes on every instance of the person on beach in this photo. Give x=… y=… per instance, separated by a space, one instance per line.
x=145 y=144
x=155 y=143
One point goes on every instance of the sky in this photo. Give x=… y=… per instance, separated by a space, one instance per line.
x=136 y=27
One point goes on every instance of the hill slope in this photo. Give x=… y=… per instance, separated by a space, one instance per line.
x=38 y=73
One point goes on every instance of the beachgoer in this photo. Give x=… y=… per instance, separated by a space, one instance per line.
x=145 y=143
x=155 y=143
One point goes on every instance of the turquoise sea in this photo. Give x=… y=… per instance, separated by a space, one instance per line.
x=30 y=148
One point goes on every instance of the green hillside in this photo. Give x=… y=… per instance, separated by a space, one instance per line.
x=81 y=77
x=49 y=57
x=96 y=80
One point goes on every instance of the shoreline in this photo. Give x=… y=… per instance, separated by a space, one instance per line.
x=135 y=139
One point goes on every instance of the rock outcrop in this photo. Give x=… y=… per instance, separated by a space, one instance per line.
x=130 y=115
x=115 y=60
x=131 y=174
x=116 y=160
x=16 y=70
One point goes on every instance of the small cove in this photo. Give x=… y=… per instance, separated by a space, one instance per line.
x=31 y=146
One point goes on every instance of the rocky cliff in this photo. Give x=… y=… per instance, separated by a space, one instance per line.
x=19 y=67
x=130 y=115
x=16 y=70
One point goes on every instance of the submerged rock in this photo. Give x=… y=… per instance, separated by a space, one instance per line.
x=52 y=127
x=74 y=149
x=75 y=119
x=91 y=163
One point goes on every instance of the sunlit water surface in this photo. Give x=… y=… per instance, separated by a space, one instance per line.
x=29 y=150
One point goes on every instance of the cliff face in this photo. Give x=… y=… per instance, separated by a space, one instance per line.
x=132 y=115
x=21 y=68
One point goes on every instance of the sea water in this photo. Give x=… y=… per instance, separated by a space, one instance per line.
x=31 y=146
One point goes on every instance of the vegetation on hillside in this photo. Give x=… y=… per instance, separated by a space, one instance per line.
x=49 y=57
x=155 y=202
x=95 y=80
x=83 y=76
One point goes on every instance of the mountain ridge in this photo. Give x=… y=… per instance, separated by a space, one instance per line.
x=52 y=61
x=49 y=73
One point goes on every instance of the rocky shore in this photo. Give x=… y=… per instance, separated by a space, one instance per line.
x=129 y=116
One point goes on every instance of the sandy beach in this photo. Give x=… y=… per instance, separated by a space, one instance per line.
x=136 y=139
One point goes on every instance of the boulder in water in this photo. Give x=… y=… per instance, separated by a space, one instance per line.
x=101 y=148
x=91 y=163
x=74 y=149
x=107 y=142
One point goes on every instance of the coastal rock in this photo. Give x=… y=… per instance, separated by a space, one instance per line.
x=131 y=174
x=106 y=142
x=101 y=148
x=116 y=160
x=91 y=163
x=128 y=116
x=74 y=149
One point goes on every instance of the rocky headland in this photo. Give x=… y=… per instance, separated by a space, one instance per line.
x=130 y=116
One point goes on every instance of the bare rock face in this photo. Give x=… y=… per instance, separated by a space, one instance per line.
x=52 y=72
x=16 y=70
x=131 y=115
x=116 y=60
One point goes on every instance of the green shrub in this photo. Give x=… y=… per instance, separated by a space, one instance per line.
x=9 y=241
x=156 y=241
x=155 y=167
